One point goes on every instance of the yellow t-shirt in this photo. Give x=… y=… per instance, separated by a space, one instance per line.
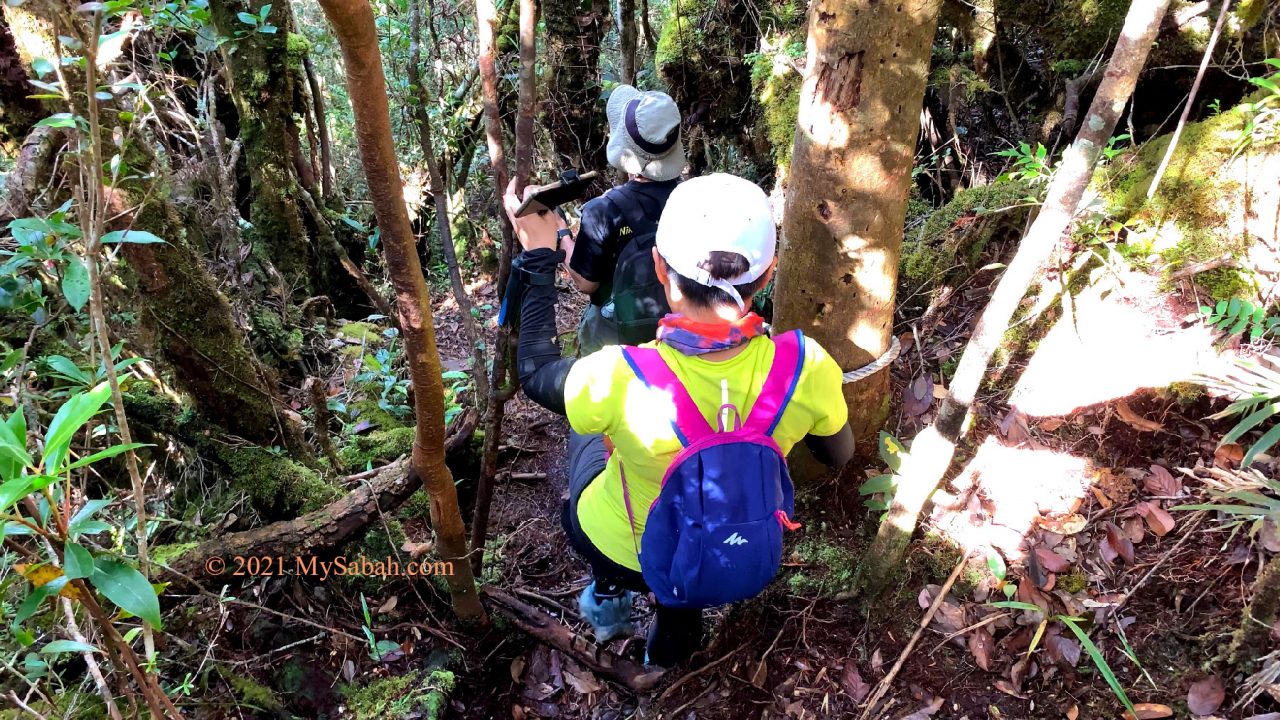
x=603 y=395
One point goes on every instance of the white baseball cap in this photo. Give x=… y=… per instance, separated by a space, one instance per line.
x=644 y=133
x=723 y=213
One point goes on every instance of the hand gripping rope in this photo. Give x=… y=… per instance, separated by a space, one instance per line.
x=876 y=365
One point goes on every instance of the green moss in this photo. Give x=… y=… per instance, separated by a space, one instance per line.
x=273 y=338
x=166 y=554
x=417 y=507
x=296 y=50
x=778 y=92
x=1185 y=393
x=1070 y=29
x=365 y=332
x=414 y=694
x=377 y=446
x=934 y=252
x=1250 y=13
x=380 y=544
x=275 y=481
x=1073 y=582
x=252 y=693
x=830 y=566
x=1186 y=221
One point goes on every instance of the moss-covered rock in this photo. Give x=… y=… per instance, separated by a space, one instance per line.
x=955 y=235
x=417 y=693
x=376 y=447
x=275 y=482
x=1206 y=204
x=252 y=694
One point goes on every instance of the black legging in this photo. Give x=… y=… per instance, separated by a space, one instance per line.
x=677 y=632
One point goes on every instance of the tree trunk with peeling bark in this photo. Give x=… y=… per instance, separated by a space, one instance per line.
x=353 y=25
x=847 y=191
x=934 y=447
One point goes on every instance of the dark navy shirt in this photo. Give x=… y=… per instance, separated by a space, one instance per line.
x=608 y=224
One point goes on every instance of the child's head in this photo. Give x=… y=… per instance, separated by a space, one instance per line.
x=716 y=244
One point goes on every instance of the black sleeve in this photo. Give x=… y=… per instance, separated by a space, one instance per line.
x=542 y=370
x=834 y=451
x=594 y=254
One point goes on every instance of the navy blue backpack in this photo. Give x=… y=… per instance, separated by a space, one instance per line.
x=714 y=533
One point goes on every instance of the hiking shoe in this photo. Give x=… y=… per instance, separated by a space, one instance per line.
x=609 y=613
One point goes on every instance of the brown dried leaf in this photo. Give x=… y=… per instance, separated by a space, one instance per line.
x=1069 y=525
x=417 y=549
x=582 y=681
x=877 y=662
x=918 y=397
x=760 y=675
x=1121 y=544
x=1228 y=456
x=1062 y=650
x=1050 y=424
x=1206 y=696
x=1134 y=529
x=1135 y=420
x=1149 y=711
x=1270 y=534
x=1007 y=688
x=1073 y=713
x=925 y=712
x=982 y=646
x=1051 y=561
x=1162 y=483
x=950 y=617
x=517 y=669
x=1158 y=519
x=853 y=683
x=389 y=605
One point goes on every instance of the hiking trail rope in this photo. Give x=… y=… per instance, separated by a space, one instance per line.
x=876 y=365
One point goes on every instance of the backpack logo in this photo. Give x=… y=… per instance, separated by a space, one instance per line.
x=735 y=539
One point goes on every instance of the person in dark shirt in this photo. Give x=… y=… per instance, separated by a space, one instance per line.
x=644 y=142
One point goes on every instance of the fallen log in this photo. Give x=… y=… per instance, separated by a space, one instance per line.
x=545 y=628
x=315 y=532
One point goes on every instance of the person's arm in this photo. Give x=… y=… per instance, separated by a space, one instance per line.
x=834 y=451
x=541 y=369
x=584 y=285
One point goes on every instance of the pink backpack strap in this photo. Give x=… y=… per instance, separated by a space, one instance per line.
x=779 y=385
x=653 y=371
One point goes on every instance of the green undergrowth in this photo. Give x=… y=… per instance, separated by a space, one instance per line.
x=1187 y=220
x=955 y=235
x=828 y=566
x=415 y=694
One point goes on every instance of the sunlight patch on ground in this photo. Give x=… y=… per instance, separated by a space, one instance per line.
x=1003 y=492
x=1118 y=339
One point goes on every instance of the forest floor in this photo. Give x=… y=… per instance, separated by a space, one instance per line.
x=1073 y=506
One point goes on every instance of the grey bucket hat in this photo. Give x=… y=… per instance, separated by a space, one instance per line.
x=644 y=133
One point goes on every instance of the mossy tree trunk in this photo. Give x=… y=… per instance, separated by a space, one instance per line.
x=183 y=314
x=850 y=175
x=627 y=39
x=353 y=25
x=573 y=113
x=263 y=77
x=18 y=112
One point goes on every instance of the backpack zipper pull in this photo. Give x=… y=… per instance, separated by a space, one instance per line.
x=787 y=522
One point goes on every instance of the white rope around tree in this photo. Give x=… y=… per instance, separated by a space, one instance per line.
x=876 y=365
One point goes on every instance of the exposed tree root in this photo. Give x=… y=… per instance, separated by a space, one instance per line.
x=547 y=629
